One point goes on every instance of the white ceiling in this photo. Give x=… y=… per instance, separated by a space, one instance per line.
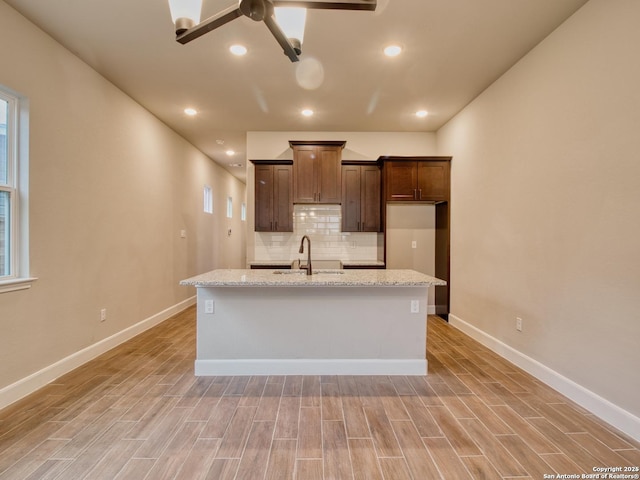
x=453 y=50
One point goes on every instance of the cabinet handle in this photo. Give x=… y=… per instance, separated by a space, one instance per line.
x=415 y=193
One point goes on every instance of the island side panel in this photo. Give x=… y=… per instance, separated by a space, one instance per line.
x=311 y=330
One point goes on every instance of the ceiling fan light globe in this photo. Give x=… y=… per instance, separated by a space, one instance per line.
x=183 y=10
x=292 y=21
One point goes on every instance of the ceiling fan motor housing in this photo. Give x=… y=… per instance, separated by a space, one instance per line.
x=256 y=10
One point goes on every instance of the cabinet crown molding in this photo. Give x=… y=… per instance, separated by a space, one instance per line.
x=272 y=162
x=321 y=143
x=395 y=158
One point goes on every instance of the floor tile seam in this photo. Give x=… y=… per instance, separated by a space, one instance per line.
x=597 y=440
x=484 y=448
x=168 y=439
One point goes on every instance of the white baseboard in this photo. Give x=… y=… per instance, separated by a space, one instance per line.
x=312 y=366
x=25 y=386
x=614 y=415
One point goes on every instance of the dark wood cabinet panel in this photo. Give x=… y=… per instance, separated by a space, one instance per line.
x=317 y=172
x=433 y=181
x=273 y=198
x=306 y=166
x=361 y=199
x=401 y=180
x=350 y=198
x=425 y=180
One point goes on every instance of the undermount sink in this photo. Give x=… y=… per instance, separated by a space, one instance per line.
x=302 y=272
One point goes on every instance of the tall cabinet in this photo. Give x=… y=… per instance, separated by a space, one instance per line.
x=317 y=171
x=361 y=195
x=273 y=195
x=425 y=180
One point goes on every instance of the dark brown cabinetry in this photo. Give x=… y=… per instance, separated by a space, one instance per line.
x=425 y=180
x=317 y=171
x=273 y=196
x=361 y=197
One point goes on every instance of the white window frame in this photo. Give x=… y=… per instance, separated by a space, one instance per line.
x=229 y=206
x=208 y=199
x=17 y=186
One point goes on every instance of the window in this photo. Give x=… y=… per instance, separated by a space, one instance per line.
x=13 y=175
x=208 y=199
x=229 y=207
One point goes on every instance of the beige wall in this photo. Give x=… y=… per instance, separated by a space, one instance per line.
x=407 y=224
x=111 y=187
x=546 y=202
x=360 y=146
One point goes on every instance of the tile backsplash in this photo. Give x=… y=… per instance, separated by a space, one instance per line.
x=322 y=223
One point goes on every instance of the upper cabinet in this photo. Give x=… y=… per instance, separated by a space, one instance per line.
x=317 y=171
x=417 y=179
x=361 y=198
x=273 y=196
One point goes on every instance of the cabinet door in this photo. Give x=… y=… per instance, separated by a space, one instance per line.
x=351 y=205
x=401 y=181
x=282 y=201
x=264 y=198
x=370 y=197
x=305 y=174
x=433 y=181
x=329 y=175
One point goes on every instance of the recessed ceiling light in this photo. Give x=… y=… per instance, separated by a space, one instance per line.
x=190 y=111
x=238 y=50
x=231 y=153
x=220 y=141
x=393 y=50
x=307 y=112
x=235 y=164
x=421 y=113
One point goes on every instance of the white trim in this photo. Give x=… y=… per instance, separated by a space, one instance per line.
x=599 y=406
x=310 y=366
x=15 y=284
x=25 y=386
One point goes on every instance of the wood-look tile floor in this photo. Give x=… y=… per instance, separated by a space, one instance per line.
x=138 y=412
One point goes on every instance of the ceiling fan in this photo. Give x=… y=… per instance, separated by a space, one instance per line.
x=186 y=17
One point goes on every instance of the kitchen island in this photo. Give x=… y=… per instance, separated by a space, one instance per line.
x=334 y=322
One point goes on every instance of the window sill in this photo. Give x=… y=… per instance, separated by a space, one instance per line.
x=16 y=284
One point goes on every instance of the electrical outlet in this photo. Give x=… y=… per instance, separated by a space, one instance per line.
x=208 y=306
x=518 y=324
x=414 y=244
x=103 y=314
x=415 y=306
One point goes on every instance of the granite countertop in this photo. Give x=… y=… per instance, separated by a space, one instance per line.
x=320 y=277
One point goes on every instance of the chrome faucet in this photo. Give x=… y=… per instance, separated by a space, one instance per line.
x=307 y=267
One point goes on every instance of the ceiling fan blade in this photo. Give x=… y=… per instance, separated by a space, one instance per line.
x=209 y=24
x=282 y=39
x=369 y=5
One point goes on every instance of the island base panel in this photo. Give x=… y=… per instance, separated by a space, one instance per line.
x=311 y=331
